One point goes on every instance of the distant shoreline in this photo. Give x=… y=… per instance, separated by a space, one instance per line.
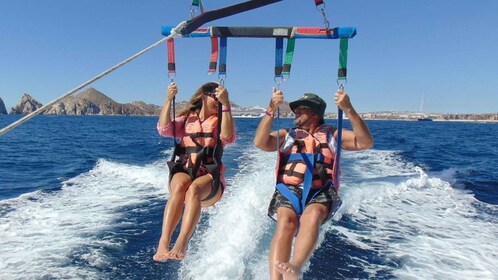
x=282 y=117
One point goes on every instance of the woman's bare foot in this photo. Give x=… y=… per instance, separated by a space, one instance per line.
x=178 y=252
x=289 y=271
x=162 y=253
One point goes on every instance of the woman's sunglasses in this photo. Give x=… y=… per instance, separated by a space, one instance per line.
x=211 y=94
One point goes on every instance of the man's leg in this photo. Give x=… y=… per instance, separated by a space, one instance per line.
x=313 y=216
x=281 y=244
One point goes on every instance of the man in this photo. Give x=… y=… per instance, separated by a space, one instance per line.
x=305 y=191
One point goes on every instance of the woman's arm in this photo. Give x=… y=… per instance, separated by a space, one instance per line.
x=165 y=116
x=227 y=132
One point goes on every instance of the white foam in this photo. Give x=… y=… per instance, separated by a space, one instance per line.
x=230 y=247
x=50 y=234
x=421 y=222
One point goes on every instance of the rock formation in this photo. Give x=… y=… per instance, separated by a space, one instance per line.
x=94 y=102
x=26 y=105
x=3 y=110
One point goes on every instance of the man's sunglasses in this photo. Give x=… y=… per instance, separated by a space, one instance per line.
x=302 y=108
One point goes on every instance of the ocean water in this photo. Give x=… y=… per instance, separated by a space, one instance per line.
x=83 y=198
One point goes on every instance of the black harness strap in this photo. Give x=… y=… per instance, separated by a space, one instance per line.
x=214 y=169
x=208 y=16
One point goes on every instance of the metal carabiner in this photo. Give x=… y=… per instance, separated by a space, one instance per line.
x=221 y=79
x=341 y=82
x=172 y=76
x=279 y=80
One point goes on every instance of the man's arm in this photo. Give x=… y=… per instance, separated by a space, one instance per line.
x=264 y=139
x=359 y=138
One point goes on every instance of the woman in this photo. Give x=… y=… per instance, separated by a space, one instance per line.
x=196 y=173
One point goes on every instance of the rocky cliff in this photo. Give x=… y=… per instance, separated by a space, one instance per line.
x=94 y=102
x=88 y=102
x=26 y=105
x=3 y=110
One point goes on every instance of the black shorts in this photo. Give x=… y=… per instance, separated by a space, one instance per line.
x=326 y=196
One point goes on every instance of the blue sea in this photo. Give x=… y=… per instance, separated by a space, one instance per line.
x=82 y=197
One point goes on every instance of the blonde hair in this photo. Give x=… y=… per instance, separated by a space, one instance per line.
x=194 y=105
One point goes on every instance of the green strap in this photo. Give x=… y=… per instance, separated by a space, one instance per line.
x=289 y=54
x=343 y=59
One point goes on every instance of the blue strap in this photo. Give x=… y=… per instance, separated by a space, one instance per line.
x=338 y=152
x=279 y=53
x=300 y=157
x=308 y=179
x=285 y=191
x=222 y=68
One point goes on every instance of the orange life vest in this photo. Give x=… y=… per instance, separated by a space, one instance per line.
x=305 y=159
x=292 y=169
x=200 y=148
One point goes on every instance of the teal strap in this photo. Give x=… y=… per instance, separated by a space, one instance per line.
x=341 y=77
x=289 y=54
x=343 y=59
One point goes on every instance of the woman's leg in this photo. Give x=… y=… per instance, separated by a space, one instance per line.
x=172 y=212
x=199 y=189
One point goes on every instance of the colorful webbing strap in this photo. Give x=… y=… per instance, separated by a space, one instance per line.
x=279 y=53
x=171 y=57
x=283 y=71
x=171 y=75
x=214 y=55
x=289 y=54
x=343 y=59
x=222 y=69
x=268 y=32
x=341 y=79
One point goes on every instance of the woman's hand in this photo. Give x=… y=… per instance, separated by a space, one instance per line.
x=172 y=91
x=222 y=96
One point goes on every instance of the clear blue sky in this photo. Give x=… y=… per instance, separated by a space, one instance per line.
x=446 y=50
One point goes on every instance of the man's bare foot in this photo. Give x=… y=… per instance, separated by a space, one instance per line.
x=289 y=271
x=178 y=252
x=162 y=253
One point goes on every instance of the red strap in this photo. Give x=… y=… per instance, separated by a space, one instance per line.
x=171 y=56
x=313 y=31
x=214 y=55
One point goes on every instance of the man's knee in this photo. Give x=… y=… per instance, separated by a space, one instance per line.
x=287 y=224
x=315 y=214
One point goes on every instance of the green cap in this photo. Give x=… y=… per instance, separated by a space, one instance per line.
x=312 y=101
